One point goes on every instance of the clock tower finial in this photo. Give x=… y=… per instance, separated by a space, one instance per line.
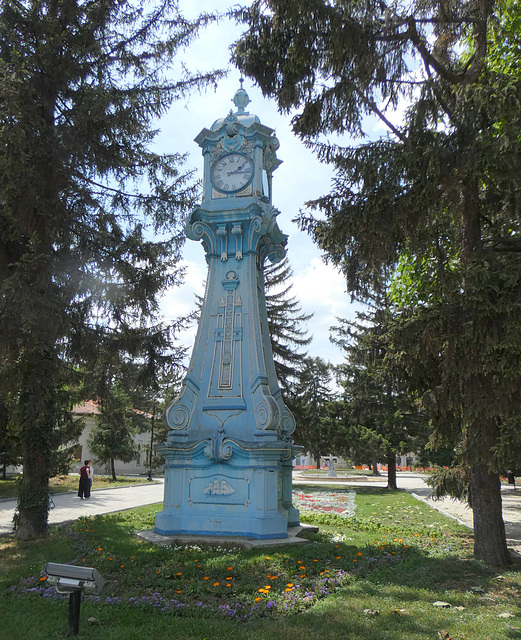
x=241 y=99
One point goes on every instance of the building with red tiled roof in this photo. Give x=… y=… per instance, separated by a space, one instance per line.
x=88 y=410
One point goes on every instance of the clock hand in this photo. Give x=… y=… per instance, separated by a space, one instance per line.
x=232 y=173
x=238 y=170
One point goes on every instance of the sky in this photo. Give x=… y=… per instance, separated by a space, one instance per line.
x=319 y=288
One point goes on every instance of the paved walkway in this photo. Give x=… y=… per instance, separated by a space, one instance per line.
x=69 y=507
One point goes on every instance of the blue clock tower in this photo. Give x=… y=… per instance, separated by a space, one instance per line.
x=229 y=451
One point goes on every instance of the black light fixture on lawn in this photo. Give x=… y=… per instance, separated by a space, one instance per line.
x=74 y=580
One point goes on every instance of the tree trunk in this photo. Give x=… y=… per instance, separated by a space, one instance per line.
x=37 y=408
x=391 y=471
x=489 y=528
x=113 y=470
x=375 y=467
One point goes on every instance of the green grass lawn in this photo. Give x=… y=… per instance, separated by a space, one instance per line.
x=62 y=484
x=372 y=576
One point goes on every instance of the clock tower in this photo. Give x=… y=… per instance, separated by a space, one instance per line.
x=229 y=451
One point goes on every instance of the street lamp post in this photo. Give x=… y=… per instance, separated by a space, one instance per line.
x=151 y=456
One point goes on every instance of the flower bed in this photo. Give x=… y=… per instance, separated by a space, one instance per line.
x=342 y=504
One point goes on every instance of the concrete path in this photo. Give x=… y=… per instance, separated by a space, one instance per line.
x=69 y=507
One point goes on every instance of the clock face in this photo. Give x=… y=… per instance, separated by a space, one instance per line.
x=232 y=172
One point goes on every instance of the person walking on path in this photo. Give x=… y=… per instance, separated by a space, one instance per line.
x=84 y=488
x=91 y=474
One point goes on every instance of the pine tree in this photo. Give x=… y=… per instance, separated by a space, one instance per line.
x=380 y=418
x=310 y=403
x=439 y=188
x=113 y=436
x=286 y=324
x=89 y=213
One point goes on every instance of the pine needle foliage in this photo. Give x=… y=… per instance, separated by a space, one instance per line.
x=89 y=212
x=440 y=188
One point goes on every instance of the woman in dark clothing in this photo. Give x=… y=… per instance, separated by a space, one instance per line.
x=84 y=489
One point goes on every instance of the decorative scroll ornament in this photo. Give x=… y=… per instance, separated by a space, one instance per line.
x=218 y=448
x=267 y=413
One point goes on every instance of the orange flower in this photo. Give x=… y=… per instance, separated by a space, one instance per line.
x=290 y=584
x=100 y=549
x=215 y=584
x=43 y=578
x=303 y=575
x=359 y=553
x=158 y=571
x=122 y=566
x=178 y=591
x=228 y=585
x=229 y=569
x=206 y=578
x=179 y=573
x=229 y=578
x=110 y=558
x=257 y=599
